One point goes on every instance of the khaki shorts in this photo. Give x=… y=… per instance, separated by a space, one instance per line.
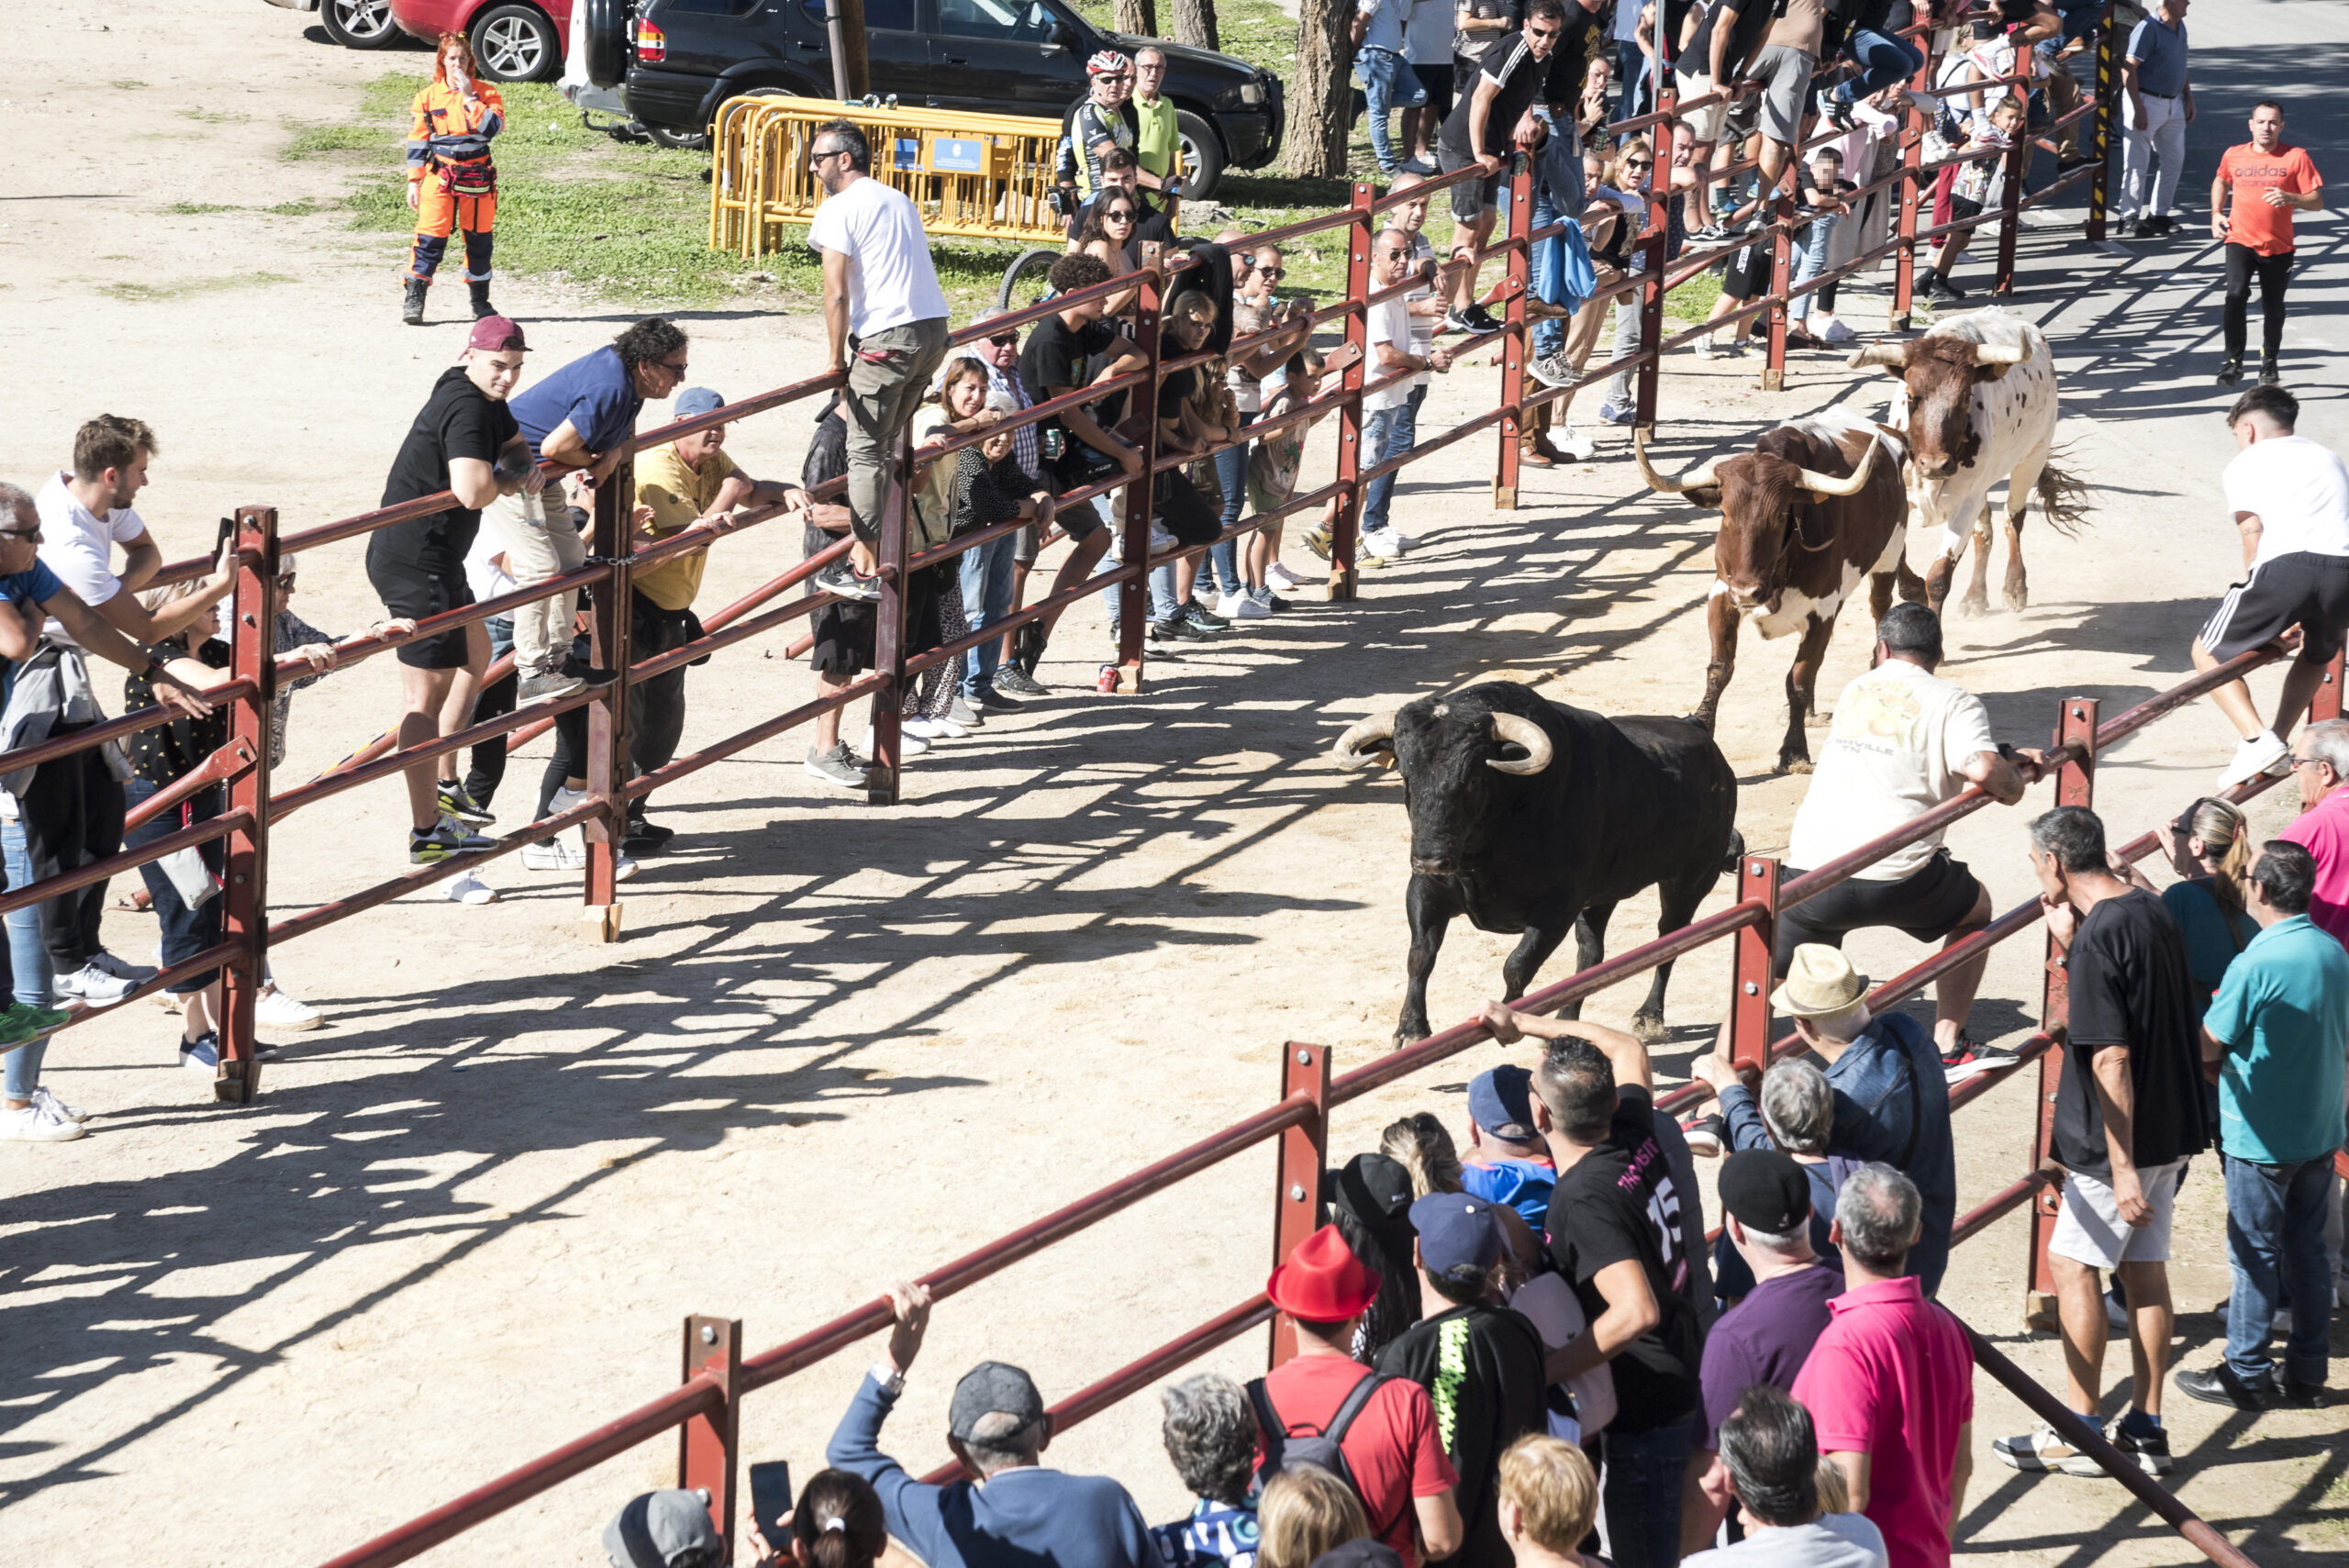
x=2089 y=1230
x=1706 y=123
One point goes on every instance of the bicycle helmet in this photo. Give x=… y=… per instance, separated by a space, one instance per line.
x=1108 y=63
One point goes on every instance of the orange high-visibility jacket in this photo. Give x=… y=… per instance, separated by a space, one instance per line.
x=447 y=131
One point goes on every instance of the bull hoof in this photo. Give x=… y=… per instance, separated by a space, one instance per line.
x=1975 y=605
x=2016 y=596
x=1649 y=1028
x=1794 y=765
x=1407 y=1034
x=1815 y=719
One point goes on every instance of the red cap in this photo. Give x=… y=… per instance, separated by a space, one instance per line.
x=1323 y=1282
x=497 y=332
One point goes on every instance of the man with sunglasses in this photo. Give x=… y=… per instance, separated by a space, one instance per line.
x=1098 y=123
x=1122 y=175
x=886 y=318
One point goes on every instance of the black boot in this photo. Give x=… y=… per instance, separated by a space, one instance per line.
x=412 y=309
x=481 y=299
x=2269 y=374
x=2231 y=371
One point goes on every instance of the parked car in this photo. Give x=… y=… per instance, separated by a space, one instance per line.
x=513 y=40
x=681 y=59
x=354 y=24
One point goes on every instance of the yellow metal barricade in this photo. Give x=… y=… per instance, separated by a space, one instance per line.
x=979 y=176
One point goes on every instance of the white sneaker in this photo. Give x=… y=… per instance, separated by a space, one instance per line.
x=273 y=1010
x=939 y=729
x=1386 y=544
x=93 y=986
x=466 y=888
x=563 y=800
x=57 y=1107
x=909 y=743
x=1240 y=606
x=33 y=1124
x=2260 y=755
x=1836 y=331
x=123 y=969
x=1575 y=444
x=565 y=853
x=1280 y=576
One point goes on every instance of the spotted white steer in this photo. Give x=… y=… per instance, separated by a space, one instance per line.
x=1977 y=400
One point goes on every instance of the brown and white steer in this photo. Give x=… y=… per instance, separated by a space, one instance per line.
x=1817 y=505
x=1978 y=405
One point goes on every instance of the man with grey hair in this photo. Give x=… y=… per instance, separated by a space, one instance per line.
x=1008 y=1511
x=2320 y=766
x=1766 y=1215
x=2128 y=1113
x=1210 y=1436
x=1770 y=1467
x=1889 y=1385
x=1798 y=1117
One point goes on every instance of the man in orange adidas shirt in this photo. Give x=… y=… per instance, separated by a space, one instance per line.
x=451 y=183
x=2271 y=181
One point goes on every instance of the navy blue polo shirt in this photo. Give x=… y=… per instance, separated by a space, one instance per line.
x=595 y=393
x=2159 y=51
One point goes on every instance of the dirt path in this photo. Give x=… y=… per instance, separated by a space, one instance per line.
x=840 y=1044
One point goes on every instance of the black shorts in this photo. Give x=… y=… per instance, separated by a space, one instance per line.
x=1748 y=272
x=1928 y=905
x=843 y=630
x=1471 y=199
x=1185 y=512
x=2311 y=592
x=413 y=591
x=1744 y=118
x=1437 y=80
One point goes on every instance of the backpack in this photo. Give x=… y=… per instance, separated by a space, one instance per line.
x=1283 y=1450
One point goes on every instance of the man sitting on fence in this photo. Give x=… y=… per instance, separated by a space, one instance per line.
x=1010 y=1511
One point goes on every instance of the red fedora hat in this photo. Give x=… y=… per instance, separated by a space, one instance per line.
x=1323 y=1282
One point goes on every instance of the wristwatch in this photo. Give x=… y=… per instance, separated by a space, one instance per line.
x=891 y=1381
x=154 y=667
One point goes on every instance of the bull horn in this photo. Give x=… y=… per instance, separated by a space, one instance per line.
x=1370 y=741
x=1823 y=484
x=1878 y=354
x=1516 y=731
x=1695 y=478
x=2001 y=354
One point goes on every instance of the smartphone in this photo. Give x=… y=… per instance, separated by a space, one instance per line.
x=221 y=539
x=770 y=1499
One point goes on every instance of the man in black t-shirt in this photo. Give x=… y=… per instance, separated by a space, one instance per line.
x=464 y=441
x=1495 y=118
x=2129 y=1110
x=1614 y=1232
x=1121 y=171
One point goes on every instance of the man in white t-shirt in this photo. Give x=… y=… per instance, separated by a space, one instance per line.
x=1902 y=742
x=2290 y=499
x=886 y=318
x=1386 y=432
x=72 y=807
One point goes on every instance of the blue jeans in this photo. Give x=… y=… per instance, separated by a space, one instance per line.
x=1549 y=276
x=1232 y=473
x=1163 y=604
x=987 y=599
x=27 y=962
x=1882 y=59
x=1641 y=1493
x=1389 y=82
x=185 y=931
x=1379 y=442
x=1631 y=71
x=1810 y=259
x=2275 y=1246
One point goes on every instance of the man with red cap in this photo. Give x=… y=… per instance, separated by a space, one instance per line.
x=1393 y=1454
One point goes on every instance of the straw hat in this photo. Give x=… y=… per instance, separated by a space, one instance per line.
x=1819 y=981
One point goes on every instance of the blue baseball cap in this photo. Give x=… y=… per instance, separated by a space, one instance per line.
x=697 y=400
x=1458 y=1234
x=1501 y=1099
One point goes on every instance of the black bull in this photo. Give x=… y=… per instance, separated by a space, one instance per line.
x=1530 y=815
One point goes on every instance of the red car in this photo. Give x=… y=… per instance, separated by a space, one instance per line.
x=513 y=40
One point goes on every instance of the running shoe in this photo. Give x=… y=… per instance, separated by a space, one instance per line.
x=43 y=1099
x=1707 y=1135
x=838 y=766
x=2263 y=753
x=455 y=802
x=1019 y=682
x=1969 y=1058
x=846 y=582
x=2147 y=1446
x=1552 y=370
x=33 y=1124
x=443 y=839
x=2040 y=1450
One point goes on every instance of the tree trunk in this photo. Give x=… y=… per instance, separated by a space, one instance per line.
x=1320 y=93
x=1138 y=17
x=854 y=73
x=1195 y=24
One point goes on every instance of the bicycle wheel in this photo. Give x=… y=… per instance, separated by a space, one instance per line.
x=1024 y=282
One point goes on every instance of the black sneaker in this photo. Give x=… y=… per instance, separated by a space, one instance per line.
x=444 y=839
x=1175 y=629
x=1840 y=112
x=2269 y=374
x=2299 y=1396
x=1476 y=320
x=1968 y=1059
x=2219 y=1386
x=1707 y=1135
x=2148 y=1449
x=1011 y=678
x=456 y=803
x=1944 y=290
x=846 y=582
x=1711 y=234
x=1198 y=616
x=2230 y=372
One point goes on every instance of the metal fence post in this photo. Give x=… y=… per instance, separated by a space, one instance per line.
x=1133 y=528
x=1653 y=246
x=2075 y=785
x=1296 y=1200
x=244 y=893
x=889 y=626
x=1515 y=342
x=2326 y=701
x=2100 y=127
x=1345 y=526
x=1904 y=256
x=705 y=1444
x=1749 y=966
x=2011 y=213
x=1782 y=253
x=606 y=762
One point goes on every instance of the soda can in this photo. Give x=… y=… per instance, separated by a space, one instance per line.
x=1107 y=680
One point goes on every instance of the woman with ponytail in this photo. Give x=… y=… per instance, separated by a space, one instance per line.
x=2209 y=844
x=837 y=1523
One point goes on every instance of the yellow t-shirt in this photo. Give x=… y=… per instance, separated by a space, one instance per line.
x=678 y=497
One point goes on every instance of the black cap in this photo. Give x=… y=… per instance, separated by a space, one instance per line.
x=1376 y=1191
x=1766 y=1190
x=1360 y=1553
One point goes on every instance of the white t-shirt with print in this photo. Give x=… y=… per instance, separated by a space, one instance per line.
x=890 y=280
x=1894 y=751
x=1390 y=322
x=2299 y=489
x=79 y=546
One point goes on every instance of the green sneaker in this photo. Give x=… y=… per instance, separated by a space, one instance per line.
x=42 y=1019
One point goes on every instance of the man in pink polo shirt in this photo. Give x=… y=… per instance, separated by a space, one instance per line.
x=2320 y=763
x=1891 y=1383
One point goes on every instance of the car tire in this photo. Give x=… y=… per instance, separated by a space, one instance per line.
x=516 y=43
x=1202 y=156
x=606 y=42
x=678 y=140
x=359 y=24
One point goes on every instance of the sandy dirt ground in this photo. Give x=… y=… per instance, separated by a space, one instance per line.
x=840 y=1045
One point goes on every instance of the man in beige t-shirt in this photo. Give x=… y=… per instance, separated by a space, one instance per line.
x=1783 y=66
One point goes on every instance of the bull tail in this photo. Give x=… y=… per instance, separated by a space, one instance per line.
x=2064 y=499
x=1736 y=856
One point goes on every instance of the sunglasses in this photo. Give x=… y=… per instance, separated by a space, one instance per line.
x=32 y=534
x=815 y=158
x=1005 y=339
x=1275 y=273
x=1394 y=252
x=285 y=583
x=1541 y=33
x=1639 y=163
x=672 y=366
x=1117 y=218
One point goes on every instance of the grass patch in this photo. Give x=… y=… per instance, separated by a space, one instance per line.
x=214 y=117
x=301 y=207
x=125 y=84
x=335 y=141
x=189 y=288
x=197 y=209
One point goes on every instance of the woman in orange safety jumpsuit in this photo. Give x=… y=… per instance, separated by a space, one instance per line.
x=450 y=181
